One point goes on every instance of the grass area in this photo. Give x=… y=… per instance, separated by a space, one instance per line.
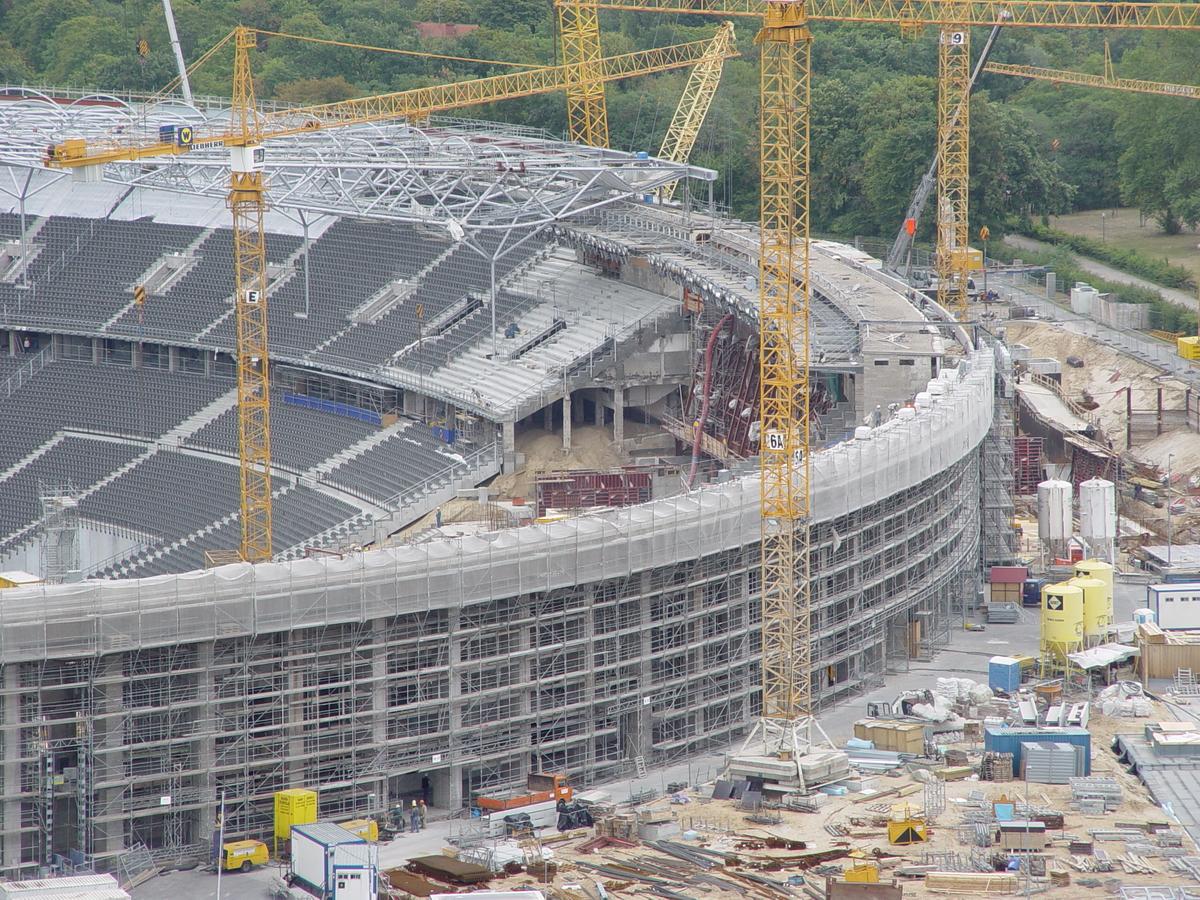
x=1126 y=228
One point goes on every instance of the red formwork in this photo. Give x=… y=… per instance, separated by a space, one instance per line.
x=1027 y=464
x=583 y=488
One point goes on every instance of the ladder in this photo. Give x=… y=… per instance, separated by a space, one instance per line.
x=639 y=763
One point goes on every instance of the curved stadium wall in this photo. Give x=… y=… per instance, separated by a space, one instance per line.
x=459 y=665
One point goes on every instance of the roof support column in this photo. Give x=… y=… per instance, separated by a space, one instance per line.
x=566 y=419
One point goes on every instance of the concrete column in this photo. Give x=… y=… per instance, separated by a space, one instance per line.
x=598 y=408
x=508 y=431
x=566 y=417
x=173 y=356
x=208 y=363
x=618 y=416
x=97 y=350
x=56 y=345
x=14 y=346
x=135 y=355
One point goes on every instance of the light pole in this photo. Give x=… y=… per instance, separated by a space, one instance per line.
x=1170 y=456
x=983 y=236
x=1103 y=217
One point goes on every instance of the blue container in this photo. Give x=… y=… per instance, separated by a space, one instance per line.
x=1009 y=740
x=1004 y=674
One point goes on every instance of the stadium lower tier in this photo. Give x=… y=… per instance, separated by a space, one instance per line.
x=457 y=666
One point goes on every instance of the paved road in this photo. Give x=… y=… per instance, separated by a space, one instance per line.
x=1183 y=298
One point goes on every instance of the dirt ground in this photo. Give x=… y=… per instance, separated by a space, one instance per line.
x=1104 y=378
x=723 y=827
x=1127 y=228
x=592 y=447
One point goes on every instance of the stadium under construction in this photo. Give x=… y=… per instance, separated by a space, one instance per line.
x=137 y=685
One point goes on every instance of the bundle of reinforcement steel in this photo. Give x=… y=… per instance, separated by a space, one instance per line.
x=877 y=761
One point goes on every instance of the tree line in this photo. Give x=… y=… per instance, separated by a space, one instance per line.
x=1037 y=149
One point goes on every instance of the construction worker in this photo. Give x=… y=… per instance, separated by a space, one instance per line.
x=422 y=812
x=414 y=818
x=398 y=816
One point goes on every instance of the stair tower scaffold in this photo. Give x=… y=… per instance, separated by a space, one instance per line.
x=783 y=285
x=60 y=543
x=247 y=201
x=694 y=104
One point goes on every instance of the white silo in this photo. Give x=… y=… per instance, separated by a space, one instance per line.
x=1055 y=521
x=1098 y=516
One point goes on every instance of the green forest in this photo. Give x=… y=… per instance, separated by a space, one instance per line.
x=1037 y=149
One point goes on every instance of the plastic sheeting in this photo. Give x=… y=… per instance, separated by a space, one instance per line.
x=97 y=617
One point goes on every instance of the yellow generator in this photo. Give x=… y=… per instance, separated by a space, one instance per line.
x=243 y=855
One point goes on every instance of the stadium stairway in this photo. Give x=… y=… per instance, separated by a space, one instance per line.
x=319 y=471
x=200 y=418
x=415 y=283
x=176 y=435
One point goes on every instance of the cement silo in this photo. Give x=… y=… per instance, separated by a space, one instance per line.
x=1101 y=571
x=1055 y=521
x=1097 y=609
x=1098 y=516
x=1062 y=625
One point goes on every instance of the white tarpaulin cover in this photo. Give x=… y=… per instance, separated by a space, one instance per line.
x=99 y=616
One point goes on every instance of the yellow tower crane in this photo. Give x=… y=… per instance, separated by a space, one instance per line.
x=954 y=117
x=248 y=203
x=784 y=291
x=1107 y=80
x=247 y=200
x=693 y=106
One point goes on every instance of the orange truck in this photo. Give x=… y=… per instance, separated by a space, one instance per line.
x=542 y=786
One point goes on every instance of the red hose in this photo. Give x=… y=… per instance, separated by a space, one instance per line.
x=712 y=339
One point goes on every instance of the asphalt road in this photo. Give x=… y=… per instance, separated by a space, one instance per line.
x=1183 y=298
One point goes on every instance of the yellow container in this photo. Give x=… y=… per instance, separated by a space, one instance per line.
x=1188 y=347
x=294 y=807
x=910 y=831
x=1062 y=617
x=864 y=873
x=1101 y=571
x=1095 y=606
x=367 y=829
x=244 y=855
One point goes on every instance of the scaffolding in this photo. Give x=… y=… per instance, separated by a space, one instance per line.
x=59 y=548
x=576 y=646
x=999 y=537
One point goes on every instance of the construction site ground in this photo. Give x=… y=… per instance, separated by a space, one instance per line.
x=723 y=825
x=1103 y=378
